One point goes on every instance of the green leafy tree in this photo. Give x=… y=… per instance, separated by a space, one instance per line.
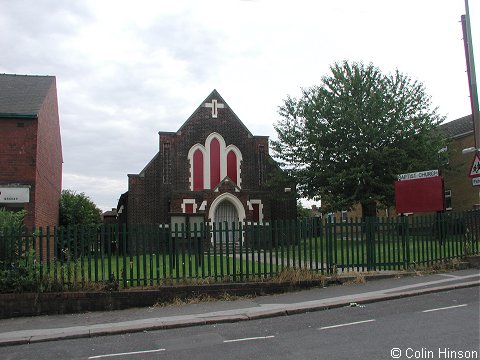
x=11 y=219
x=346 y=140
x=78 y=209
x=11 y=224
x=302 y=212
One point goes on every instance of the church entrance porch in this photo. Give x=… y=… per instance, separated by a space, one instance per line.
x=225 y=216
x=225 y=211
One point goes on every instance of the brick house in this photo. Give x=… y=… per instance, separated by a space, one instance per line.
x=211 y=169
x=30 y=147
x=459 y=193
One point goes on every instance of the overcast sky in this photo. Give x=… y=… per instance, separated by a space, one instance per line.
x=128 y=69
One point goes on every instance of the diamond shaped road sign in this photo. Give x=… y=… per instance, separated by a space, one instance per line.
x=475 y=169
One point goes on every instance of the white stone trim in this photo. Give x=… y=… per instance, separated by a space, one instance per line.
x=203 y=205
x=234 y=200
x=260 y=209
x=189 y=201
x=190 y=159
x=214 y=105
x=237 y=152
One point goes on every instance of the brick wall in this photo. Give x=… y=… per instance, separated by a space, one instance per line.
x=18 y=157
x=31 y=154
x=464 y=195
x=49 y=162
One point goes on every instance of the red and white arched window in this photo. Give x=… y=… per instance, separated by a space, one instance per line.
x=212 y=162
x=232 y=166
x=198 y=178
x=215 y=162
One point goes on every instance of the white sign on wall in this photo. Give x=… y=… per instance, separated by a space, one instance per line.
x=418 y=175
x=14 y=195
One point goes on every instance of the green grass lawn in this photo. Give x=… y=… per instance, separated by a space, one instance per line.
x=143 y=270
x=386 y=253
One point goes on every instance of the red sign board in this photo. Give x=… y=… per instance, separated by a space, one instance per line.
x=419 y=195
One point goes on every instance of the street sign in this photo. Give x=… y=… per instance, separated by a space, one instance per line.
x=418 y=175
x=476 y=181
x=475 y=169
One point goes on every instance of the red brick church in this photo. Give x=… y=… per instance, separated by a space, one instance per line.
x=211 y=169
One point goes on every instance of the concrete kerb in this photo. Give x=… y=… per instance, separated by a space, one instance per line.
x=230 y=316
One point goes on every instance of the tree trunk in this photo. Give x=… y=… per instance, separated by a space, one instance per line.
x=369 y=209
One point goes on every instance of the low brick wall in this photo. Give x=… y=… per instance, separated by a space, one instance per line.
x=30 y=304
x=474 y=261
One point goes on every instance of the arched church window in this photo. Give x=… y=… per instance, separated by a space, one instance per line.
x=198 y=181
x=214 y=163
x=232 y=166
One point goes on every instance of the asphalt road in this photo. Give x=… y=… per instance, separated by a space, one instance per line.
x=433 y=326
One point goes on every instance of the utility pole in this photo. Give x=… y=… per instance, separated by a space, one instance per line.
x=472 y=80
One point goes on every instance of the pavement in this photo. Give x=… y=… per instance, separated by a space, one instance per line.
x=25 y=330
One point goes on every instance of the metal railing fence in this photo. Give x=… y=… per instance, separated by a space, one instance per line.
x=146 y=255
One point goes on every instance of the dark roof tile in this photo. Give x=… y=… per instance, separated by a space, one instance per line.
x=458 y=127
x=23 y=94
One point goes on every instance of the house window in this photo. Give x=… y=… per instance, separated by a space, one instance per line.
x=344 y=216
x=448 y=200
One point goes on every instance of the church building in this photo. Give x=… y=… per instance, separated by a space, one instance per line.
x=211 y=169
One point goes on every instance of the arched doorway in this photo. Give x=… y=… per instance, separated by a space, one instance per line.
x=227 y=208
x=225 y=216
x=225 y=212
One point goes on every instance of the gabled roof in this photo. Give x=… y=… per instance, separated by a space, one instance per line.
x=215 y=95
x=23 y=95
x=458 y=127
x=227 y=182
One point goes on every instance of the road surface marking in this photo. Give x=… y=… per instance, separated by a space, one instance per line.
x=444 y=308
x=126 y=353
x=348 y=324
x=249 y=339
x=452 y=276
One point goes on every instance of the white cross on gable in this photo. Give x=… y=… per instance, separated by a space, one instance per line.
x=215 y=106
